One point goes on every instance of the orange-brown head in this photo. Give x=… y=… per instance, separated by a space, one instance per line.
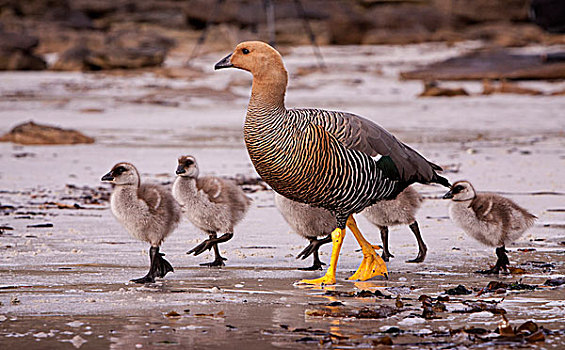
x=256 y=57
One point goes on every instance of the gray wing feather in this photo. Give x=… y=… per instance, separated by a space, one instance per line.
x=363 y=135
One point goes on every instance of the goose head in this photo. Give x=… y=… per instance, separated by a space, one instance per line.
x=461 y=191
x=256 y=57
x=122 y=174
x=187 y=167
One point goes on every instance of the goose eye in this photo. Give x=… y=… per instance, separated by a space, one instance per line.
x=245 y=51
x=119 y=170
x=458 y=189
x=188 y=162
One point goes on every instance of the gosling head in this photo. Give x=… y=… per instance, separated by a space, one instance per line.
x=461 y=191
x=122 y=174
x=256 y=57
x=187 y=167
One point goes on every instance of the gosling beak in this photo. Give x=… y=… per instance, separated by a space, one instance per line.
x=448 y=195
x=180 y=170
x=224 y=63
x=108 y=177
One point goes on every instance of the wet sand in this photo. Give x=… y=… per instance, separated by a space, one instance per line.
x=66 y=285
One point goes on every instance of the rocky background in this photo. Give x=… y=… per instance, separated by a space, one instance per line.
x=91 y=35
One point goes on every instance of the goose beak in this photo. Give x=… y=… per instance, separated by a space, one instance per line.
x=448 y=195
x=224 y=63
x=180 y=170
x=108 y=177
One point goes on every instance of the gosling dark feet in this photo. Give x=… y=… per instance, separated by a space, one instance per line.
x=317 y=265
x=159 y=267
x=216 y=263
x=501 y=264
x=418 y=259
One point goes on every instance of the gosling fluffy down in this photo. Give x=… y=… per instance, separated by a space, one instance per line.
x=212 y=204
x=489 y=218
x=147 y=211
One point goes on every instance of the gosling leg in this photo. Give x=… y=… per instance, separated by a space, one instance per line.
x=384 y=237
x=422 y=249
x=158 y=267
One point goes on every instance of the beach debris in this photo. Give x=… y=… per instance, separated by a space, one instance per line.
x=554 y=282
x=499 y=287
x=45 y=225
x=14 y=300
x=173 y=315
x=480 y=306
x=31 y=133
x=358 y=294
x=528 y=331
x=505 y=87
x=459 y=290
x=382 y=311
x=432 y=89
x=77 y=341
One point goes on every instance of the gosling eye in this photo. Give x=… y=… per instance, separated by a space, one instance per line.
x=245 y=51
x=188 y=162
x=458 y=189
x=119 y=170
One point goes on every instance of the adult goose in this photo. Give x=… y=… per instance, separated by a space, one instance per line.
x=334 y=160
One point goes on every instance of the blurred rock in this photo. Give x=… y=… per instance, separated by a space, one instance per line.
x=123 y=50
x=432 y=89
x=476 y=11
x=506 y=87
x=490 y=64
x=31 y=133
x=16 y=52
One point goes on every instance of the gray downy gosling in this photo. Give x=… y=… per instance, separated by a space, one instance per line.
x=489 y=218
x=147 y=211
x=311 y=222
x=212 y=204
x=399 y=211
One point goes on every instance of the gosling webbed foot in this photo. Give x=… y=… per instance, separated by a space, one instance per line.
x=501 y=264
x=159 y=267
x=418 y=259
x=146 y=279
x=215 y=263
x=313 y=247
x=202 y=247
x=162 y=266
x=316 y=266
x=386 y=256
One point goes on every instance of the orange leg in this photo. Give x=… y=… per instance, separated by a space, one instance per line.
x=372 y=264
x=329 y=278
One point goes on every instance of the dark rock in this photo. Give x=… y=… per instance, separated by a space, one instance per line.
x=432 y=89
x=123 y=50
x=549 y=14
x=16 y=52
x=18 y=42
x=476 y=11
x=347 y=28
x=31 y=133
x=459 y=290
x=555 y=282
x=490 y=64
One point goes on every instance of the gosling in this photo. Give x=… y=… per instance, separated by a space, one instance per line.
x=148 y=212
x=312 y=222
x=399 y=211
x=489 y=218
x=212 y=204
